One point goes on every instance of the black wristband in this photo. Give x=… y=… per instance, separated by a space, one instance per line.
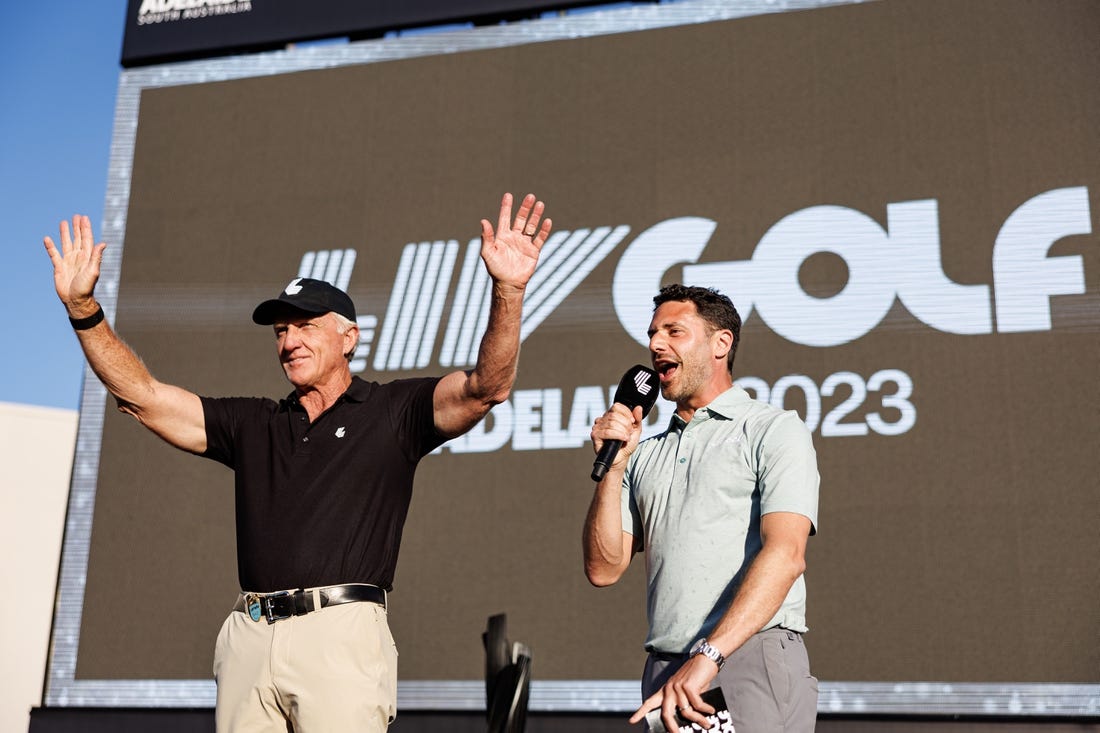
x=83 y=324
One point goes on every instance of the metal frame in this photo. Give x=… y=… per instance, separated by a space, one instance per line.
x=618 y=696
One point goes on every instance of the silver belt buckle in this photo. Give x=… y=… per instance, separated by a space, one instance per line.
x=272 y=617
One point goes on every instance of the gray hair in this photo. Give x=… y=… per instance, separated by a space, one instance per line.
x=343 y=324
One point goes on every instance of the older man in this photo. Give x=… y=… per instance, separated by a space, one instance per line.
x=323 y=478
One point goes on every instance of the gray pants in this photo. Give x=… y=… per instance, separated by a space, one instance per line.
x=767 y=683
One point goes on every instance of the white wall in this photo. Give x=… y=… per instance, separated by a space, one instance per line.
x=36 y=458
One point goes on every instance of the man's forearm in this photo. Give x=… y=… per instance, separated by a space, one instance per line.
x=172 y=413
x=766 y=584
x=113 y=362
x=498 y=355
x=464 y=398
x=606 y=552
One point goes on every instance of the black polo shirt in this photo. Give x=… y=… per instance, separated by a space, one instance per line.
x=322 y=503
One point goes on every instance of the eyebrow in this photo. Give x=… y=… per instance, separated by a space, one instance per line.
x=298 y=321
x=665 y=325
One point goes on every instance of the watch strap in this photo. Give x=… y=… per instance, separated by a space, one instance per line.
x=83 y=324
x=709 y=651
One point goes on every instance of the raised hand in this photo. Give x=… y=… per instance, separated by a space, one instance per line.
x=76 y=266
x=512 y=251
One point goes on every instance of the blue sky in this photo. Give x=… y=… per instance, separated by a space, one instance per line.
x=59 y=73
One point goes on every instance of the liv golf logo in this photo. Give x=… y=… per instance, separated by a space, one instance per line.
x=433 y=316
x=417 y=310
x=901 y=260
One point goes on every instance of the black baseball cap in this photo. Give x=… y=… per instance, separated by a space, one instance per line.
x=308 y=296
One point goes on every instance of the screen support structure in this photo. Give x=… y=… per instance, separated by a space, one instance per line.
x=593 y=696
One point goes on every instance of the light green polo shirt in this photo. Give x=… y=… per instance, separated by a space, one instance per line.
x=693 y=497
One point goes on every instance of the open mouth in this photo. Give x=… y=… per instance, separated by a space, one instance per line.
x=666 y=370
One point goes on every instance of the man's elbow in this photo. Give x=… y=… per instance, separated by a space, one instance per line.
x=495 y=398
x=132 y=409
x=492 y=383
x=795 y=564
x=785 y=562
x=483 y=394
x=602 y=575
x=481 y=404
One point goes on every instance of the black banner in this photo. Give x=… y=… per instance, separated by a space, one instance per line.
x=160 y=31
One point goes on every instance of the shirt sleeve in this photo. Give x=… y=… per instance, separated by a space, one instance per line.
x=412 y=415
x=632 y=518
x=223 y=416
x=787 y=469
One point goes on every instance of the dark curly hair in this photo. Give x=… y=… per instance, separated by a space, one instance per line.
x=714 y=308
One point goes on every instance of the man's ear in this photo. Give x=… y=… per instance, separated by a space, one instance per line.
x=351 y=341
x=723 y=342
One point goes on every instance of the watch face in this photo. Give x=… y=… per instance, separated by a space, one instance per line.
x=708 y=651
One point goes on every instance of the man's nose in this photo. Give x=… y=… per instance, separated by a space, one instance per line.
x=291 y=338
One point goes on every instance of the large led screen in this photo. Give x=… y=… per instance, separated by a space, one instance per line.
x=901 y=198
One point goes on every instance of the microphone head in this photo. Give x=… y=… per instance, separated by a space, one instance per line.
x=638 y=387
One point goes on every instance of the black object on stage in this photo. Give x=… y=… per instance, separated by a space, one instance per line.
x=507 y=678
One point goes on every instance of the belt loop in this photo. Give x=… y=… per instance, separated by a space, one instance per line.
x=317 y=599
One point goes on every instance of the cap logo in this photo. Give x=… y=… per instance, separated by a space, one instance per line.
x=294 y=288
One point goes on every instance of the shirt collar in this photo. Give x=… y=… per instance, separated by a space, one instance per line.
x=357 y=391
x=724 y=405
x=727 y=403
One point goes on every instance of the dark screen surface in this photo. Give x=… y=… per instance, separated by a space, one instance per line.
x=899 y=196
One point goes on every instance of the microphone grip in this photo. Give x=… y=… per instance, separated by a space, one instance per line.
x=605 y=458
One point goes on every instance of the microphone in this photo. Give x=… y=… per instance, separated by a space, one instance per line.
x=639 y=387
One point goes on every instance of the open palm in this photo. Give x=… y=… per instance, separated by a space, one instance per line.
x=76 y=264
x=512 y=251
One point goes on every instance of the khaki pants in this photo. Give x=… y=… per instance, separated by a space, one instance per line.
x=328 y=671
x=767 y=683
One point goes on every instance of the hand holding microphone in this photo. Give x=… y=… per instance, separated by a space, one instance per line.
x=639 y=387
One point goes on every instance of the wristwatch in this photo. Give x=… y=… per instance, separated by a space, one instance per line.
x=708 y=651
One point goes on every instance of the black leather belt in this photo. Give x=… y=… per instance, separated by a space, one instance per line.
x=668 y=656
x=284 y=604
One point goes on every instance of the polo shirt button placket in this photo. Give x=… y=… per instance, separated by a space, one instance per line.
x=684 y=437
